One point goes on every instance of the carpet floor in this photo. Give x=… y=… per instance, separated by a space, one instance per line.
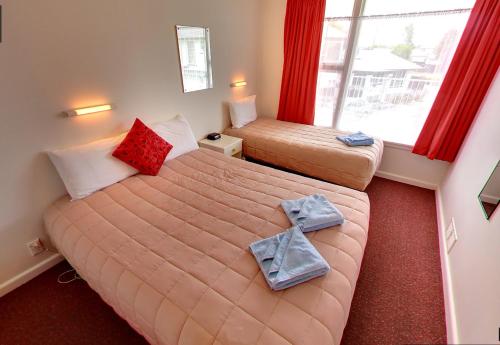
x=398 y=298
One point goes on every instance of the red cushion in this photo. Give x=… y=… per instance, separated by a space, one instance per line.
x=143 y=149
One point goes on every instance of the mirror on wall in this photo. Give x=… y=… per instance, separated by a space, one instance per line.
x=195 y=58
x=490 y=195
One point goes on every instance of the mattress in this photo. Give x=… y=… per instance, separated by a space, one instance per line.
x=170 y=253
x=310 y=150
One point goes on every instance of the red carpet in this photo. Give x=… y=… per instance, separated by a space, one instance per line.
x=398 y=297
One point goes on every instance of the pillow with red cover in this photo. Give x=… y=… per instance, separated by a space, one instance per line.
x=143 y=149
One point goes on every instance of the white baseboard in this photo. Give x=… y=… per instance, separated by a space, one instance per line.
x=407 y=180
x=29 y=274
x=449 y=301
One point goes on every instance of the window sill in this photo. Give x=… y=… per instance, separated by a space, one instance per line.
x=404 y=147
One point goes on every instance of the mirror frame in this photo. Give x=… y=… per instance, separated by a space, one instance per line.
x=210 y=82
x=485 y=213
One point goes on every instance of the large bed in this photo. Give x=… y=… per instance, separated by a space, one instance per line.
x=170 y=253
x=310 y=150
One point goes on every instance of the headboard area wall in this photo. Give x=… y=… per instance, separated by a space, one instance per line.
x=58 y=55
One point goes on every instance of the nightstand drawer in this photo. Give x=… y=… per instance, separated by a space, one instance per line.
x=212 y=147
x=230 y=146
x=233 y=149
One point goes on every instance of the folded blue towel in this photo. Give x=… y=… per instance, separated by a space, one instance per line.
x=288 y=259
x=356 y=139
x=312 y=212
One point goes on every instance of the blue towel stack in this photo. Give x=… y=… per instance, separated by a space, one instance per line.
x=312 y=212
x=356 y=139
x=288 y=259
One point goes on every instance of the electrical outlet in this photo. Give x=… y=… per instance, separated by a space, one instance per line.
x=35 y=247
x=451 y=235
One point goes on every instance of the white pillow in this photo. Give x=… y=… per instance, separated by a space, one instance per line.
x=177 y=132
x=88 y=168
x=243 y=111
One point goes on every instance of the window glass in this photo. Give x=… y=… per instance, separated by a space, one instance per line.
x=333 y=51
x=326 y=97
x=398 y=65
x=339 y=8
x=334 y=44
x=373 y=7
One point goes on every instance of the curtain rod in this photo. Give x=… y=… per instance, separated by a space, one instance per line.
x=402 y=15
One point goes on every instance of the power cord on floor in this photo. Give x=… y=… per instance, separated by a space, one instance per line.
x=67 y=277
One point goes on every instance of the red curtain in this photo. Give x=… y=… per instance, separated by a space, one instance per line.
x=471 y=72
x=303 y=32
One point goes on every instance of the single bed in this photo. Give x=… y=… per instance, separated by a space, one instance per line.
x=170 y=253
x=310 y=150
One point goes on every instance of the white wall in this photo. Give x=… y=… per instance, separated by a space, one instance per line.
x=473 y=266
x=272 y=22
x=398 y=162
x=60 y=54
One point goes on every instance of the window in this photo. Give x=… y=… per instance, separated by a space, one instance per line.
x=383 y=61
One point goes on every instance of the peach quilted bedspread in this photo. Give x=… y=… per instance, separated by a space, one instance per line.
x=170 y=253
x=310 y=150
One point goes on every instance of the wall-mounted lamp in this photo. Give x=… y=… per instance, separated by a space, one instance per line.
x=89 y=110
x=239 y=83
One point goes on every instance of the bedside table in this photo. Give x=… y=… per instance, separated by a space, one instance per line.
x=230 y=146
